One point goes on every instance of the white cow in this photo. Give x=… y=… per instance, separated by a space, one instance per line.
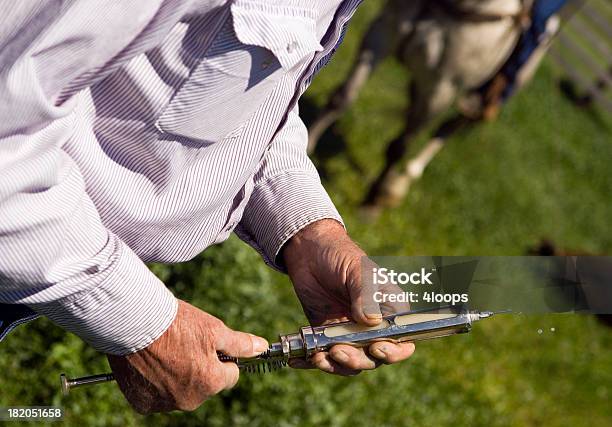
x=449 y=47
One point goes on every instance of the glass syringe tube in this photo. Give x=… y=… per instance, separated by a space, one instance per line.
x=412 y=326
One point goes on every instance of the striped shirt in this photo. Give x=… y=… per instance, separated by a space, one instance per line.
x=135 y=132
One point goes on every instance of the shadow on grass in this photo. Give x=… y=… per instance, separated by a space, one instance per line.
x=583 y=101
x=331 y=144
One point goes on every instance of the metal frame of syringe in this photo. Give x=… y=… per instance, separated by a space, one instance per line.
x=409 y=326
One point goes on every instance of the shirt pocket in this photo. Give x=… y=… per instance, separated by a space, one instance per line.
x=256 y=46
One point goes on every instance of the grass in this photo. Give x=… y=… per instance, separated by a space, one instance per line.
x=543 y=169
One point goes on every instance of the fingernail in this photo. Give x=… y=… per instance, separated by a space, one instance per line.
x=340 y=356
x=374 y=316
x=259 y=344
x=378 y=353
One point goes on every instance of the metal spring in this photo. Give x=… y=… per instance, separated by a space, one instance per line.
x=261 y=367
x=262 y=364
x=224 y=358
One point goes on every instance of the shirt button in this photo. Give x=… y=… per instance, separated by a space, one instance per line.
x=291 y=46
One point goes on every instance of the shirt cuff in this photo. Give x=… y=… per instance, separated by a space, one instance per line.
x=279 y=209
x=125 y=310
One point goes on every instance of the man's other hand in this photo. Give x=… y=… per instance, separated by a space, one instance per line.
x=180 y=370
x=325 y=266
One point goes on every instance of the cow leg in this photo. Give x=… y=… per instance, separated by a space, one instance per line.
x=417 y=164
x=379 y=42
x=393 y=182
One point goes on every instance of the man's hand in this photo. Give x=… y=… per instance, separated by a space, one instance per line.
x=325 y=266
x=180 y=370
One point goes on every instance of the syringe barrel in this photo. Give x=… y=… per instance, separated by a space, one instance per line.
x=394 y=328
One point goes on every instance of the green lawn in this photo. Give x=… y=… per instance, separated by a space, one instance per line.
x=541 y=170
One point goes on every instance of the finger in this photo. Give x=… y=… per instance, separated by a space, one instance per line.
x=218 y=376
x=239 y=344
x=390 y=352
x=388 y=307
x=231 y=373
x=324 y=362
x=301 y=364
x=362 y=290
x=353 y=358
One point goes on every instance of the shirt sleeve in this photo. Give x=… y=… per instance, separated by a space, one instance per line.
x=287 y=195
x=56 y=256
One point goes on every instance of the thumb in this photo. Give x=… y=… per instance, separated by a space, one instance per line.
x=362 y=289
x=364 y=309
x=239 y=344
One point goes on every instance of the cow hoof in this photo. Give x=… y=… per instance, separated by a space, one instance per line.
x=394 y=189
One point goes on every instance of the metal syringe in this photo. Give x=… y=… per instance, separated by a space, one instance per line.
x=399 y=327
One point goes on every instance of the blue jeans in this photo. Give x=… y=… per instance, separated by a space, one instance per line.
x=12 y=315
